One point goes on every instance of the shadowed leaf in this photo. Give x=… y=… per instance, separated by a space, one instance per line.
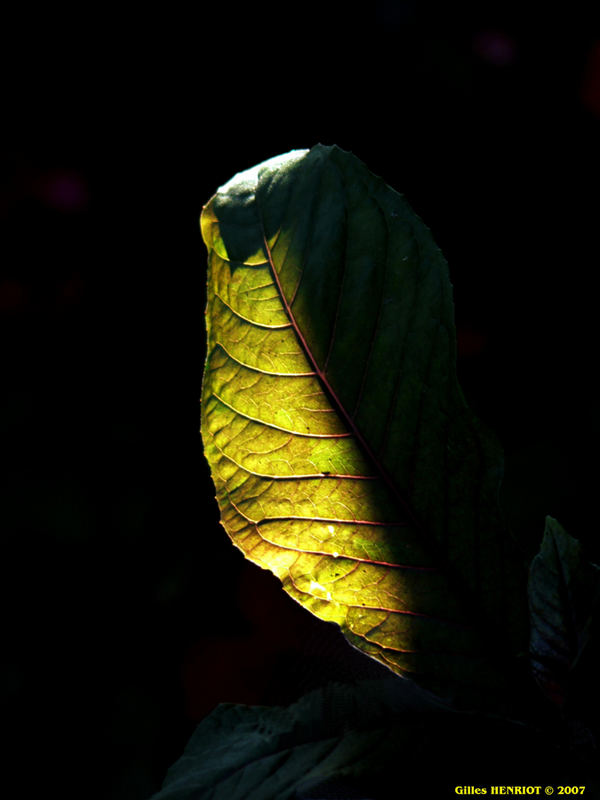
x=371 y=740
x=563 y=590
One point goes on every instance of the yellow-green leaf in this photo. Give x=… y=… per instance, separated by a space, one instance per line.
x=344 y=457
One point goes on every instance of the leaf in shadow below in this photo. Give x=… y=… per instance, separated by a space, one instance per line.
x=356 y=741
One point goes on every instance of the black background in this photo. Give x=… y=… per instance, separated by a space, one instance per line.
x=127 y=614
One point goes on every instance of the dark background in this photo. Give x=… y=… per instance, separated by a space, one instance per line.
x=127 y=614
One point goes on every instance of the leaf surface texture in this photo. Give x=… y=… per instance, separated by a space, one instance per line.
x=344 y=456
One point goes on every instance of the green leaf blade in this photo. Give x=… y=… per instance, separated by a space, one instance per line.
x=356 y=741
x=564 y=590
x=344 y=457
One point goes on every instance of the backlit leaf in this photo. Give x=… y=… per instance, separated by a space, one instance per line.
x=344 y=457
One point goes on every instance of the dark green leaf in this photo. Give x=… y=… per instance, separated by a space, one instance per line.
x=377 y=739
x=563 y=590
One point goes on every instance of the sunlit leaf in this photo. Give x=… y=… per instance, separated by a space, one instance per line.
x=344 y=456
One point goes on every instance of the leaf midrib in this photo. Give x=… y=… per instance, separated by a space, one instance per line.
x=462 y=593
x=329 y=390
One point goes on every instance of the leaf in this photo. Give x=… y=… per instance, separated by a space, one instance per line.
x=351 y=742
x=563 y=590
x=344 y=456
x=238 y=751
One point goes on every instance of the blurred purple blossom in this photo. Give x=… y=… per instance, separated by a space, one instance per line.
x=495 y=47
x=64 y=190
